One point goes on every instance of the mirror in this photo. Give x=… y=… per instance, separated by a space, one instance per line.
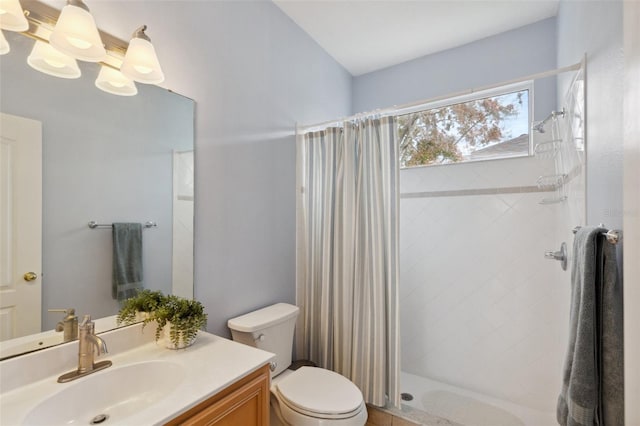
x=105 y=158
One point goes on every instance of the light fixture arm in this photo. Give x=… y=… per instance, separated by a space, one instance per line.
x=78 y=3
x=140 y=33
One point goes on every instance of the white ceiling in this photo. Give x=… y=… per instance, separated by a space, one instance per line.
x=367 y=35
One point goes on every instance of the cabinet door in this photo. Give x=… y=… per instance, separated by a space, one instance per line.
x=244 y=403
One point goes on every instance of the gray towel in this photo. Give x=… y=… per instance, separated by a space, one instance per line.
x=611 y=339
x=592 y=385
x=127 y=260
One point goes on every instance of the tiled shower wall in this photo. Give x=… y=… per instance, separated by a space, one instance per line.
x=480 y=306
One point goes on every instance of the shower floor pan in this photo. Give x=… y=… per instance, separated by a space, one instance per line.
x=466 y=407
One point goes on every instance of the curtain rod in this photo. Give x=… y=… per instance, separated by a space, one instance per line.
x=411 y=105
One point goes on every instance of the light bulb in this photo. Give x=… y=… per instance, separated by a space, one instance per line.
x=54 y=63
x=140 y=62
x=76 y=33
x=12 y=16
x=113 y=81
x=45 y=58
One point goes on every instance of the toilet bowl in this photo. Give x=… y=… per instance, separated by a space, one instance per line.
x=308 y=396
x=313 y=396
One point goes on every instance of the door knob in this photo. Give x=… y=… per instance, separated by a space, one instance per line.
x=30 y=276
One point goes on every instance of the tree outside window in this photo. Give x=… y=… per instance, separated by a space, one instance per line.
x=489 y=127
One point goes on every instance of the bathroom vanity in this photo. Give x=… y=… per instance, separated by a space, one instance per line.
x=245 y=402
x=214 y=381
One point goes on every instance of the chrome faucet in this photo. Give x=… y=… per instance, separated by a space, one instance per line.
x=88 y=346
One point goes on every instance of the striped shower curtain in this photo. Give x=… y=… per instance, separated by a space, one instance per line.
x=347 y=278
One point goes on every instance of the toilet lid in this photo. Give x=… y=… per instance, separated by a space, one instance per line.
x=320 y=391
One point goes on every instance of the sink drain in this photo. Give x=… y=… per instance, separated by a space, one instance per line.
x=100 y=418
x=406 y=396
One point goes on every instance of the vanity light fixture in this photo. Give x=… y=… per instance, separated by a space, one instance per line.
x=4 y=45
x=140 y=61
x=113 y=81
x=76 y=33
x=45 y=58
x=64 y=36
x=12 y=16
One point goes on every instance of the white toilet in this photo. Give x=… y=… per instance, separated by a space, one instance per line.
x=308 y=396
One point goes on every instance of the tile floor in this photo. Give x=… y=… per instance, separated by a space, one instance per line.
x=378 y=417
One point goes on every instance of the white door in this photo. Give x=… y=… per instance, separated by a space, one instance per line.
x=20 y=226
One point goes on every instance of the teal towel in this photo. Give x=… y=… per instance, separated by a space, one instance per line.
x=127 y=260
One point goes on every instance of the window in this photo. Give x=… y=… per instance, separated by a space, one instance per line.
x=489 y=126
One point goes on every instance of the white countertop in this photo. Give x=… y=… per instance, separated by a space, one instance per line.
x=210 y=364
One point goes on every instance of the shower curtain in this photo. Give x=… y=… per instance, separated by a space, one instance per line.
x=348 y=254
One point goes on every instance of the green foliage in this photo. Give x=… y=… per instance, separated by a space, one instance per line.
x=145 y=301
x=433 y=136
x=185 y=316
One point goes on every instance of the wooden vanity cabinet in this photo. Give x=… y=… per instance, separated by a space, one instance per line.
x=244 y=403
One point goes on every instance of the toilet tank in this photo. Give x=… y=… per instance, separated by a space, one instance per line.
x=270 y=329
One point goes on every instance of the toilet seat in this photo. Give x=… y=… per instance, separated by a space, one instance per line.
x=320 y=393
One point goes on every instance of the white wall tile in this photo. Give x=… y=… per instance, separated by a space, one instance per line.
x=480 y=306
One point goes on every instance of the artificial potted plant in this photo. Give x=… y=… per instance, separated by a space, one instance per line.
x=180 y=319
x=141 y=307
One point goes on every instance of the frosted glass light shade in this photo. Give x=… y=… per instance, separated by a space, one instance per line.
x=76 y=35
x=112 y=81
x=141 y=63
x=48 y=60
x=4 y=45
x=12 y=16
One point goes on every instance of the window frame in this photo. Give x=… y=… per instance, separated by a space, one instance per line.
x=476 y=95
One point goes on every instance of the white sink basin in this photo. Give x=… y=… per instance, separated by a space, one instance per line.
x=146 y=385
x=116 y=393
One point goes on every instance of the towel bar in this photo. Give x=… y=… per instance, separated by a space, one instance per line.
x=613 y=235
x=93 y=224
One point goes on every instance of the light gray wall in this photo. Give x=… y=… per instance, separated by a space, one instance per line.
x=253 y=74
x=105 y=158
x=595 y=28
x=264 y=75
x=512 y=54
